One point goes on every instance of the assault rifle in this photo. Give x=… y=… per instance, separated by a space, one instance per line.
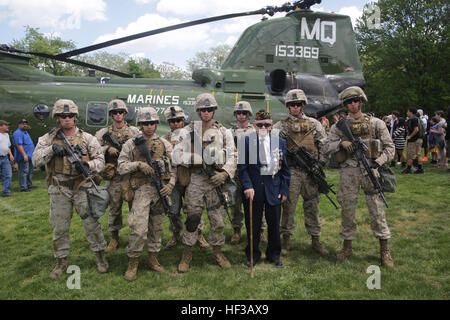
x=155 y=179
x=112 y=141
x=74 y=155
x=314 y=170
x=360 y=153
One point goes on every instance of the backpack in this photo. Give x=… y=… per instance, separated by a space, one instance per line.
x=421 y=133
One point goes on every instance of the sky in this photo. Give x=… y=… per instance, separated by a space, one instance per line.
x=87 y=22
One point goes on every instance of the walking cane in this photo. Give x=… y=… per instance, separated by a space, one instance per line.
x=251 y=238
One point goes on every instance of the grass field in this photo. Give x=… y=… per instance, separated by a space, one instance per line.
x=418 y=217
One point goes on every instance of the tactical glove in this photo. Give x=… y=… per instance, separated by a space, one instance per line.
x=348 y=146
x=113 y=152
x=59 y=150
x=219 y=178
x=146 y=169
x=167 y=189
x=82 y=166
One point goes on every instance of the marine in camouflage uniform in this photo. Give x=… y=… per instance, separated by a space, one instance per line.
x=242 y=112
x=67 y=186
x=353 y=175
x=301 y=130
x=121 y=131
x=146 y=215
x=175 y=116
x=216 y=142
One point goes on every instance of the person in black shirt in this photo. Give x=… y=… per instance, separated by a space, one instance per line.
x=414 y=139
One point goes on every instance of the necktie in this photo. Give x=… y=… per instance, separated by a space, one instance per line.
x=262 y=152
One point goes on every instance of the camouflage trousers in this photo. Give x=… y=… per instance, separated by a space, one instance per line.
x=115 y=222
x=302 y=185
x=145 y=221
x=175 y=218
x=200 y=192
x=61 y=212
x=350 y=182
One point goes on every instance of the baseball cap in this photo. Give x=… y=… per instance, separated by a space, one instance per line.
x=23 y=121
x=3 y=122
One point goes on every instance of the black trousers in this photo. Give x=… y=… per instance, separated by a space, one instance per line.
x=273 y=216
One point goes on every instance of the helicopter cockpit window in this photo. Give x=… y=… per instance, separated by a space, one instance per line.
x=96 y=114
x=278 y=80
x=130 y=115
x=41 y=111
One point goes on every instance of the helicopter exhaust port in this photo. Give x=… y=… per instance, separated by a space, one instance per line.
x=277 y=81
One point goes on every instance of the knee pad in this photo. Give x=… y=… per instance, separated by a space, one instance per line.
x=192 y=222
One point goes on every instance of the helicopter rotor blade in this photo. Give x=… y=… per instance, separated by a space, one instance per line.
x=71 y=61
x=305 y=4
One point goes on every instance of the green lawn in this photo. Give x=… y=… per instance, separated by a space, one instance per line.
x=419 y=219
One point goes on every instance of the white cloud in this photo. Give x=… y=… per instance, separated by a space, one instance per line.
x=175 y=40
x=56 y=14
x=353 y=12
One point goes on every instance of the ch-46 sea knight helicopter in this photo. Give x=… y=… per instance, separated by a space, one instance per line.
x=313 y=51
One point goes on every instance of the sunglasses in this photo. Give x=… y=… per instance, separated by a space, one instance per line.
x=210 y=109
x=176 y=120
x=64 y=116
x=349 y=101
x=117 y=112
x=296 y=104
x=148 y=123
x=241 y=112
x=265 y=125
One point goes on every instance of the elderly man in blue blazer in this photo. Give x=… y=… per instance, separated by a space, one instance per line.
x=265 y=177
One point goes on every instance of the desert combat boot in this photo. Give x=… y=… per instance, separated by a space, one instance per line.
x=102 y=264
x=153 y=263
x=186 y=259
x=346 y=251
x=220 y=257
x=236 y=237
x=201 y=241
x=112 y=246
x=61 y=266
x=318 y=246
x=173 y=241
x=385 y=253
x=286 y=244
x=131 y=272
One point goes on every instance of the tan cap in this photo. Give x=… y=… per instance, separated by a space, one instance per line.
x=117 y=104
x=352 y=92
x=243 y=106
x=205 y=100
x=174 y=112
x=64 y=106
x=4 y=123
x=296 y=95
x=147 y=114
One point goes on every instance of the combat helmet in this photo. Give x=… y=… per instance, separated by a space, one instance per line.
x=147 y=114
x=174 y=112
x=205 y=100
x=296 y=95
x=352 y=92
x=64 y=106
x=117 y=104
x=243 y=106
